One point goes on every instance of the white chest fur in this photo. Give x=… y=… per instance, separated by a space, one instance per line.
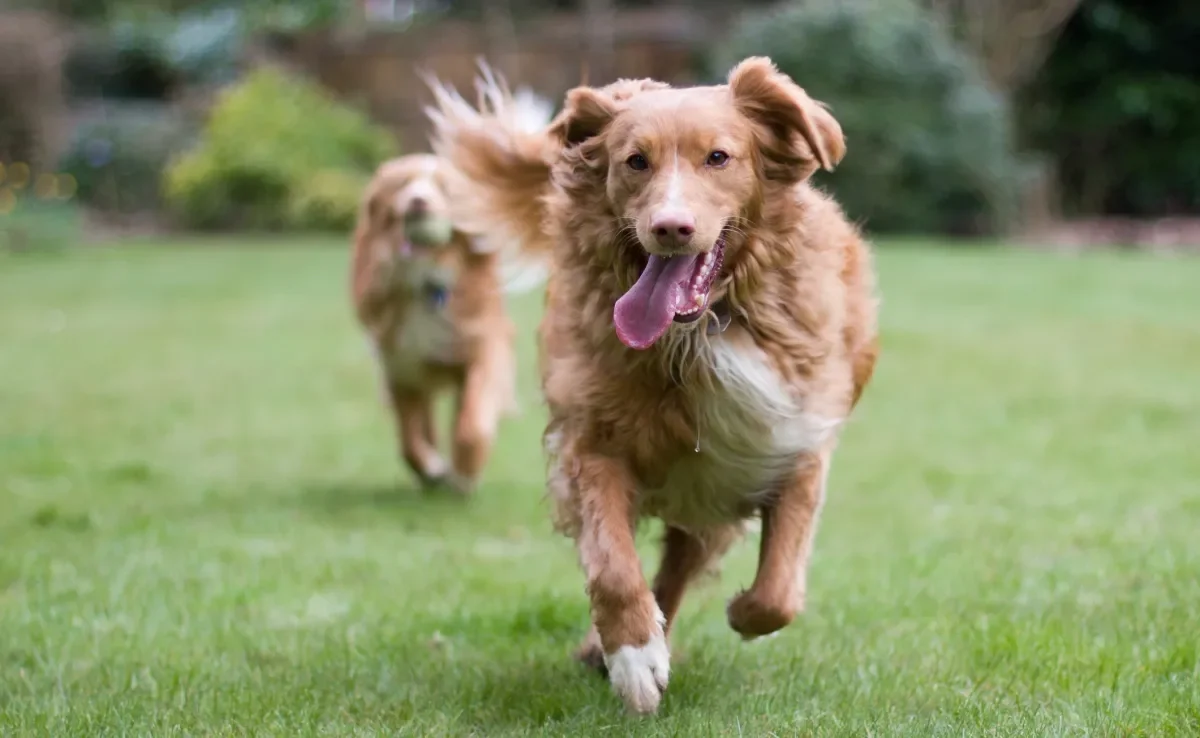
x=750 y=430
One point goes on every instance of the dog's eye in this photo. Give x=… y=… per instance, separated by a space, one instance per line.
x=638 y=163
x=717 y=159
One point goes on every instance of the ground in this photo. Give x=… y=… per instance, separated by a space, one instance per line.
x=204 y=528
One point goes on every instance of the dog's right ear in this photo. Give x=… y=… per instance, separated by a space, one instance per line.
x=371 y=206
x=587 y=113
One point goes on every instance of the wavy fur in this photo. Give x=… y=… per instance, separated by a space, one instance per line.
x=703 y=431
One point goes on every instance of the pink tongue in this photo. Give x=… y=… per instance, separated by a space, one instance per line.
x=645 y=312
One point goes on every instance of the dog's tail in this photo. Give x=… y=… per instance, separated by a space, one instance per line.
x=501 y=151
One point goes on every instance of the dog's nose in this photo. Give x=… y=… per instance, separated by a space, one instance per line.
x=418 y=206
x=673 y=228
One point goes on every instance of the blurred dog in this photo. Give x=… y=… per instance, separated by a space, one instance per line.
x=431 y=299
x=710 y=324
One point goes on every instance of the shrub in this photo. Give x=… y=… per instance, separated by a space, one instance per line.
x=929 y=144
x=204 y=46
x=117 y=156
x=1116 y=106
x=327 y=201
x=266 y=141
x=151 y=58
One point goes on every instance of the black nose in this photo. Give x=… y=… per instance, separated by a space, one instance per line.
x=418 y=206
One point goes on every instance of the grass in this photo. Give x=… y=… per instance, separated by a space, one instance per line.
x=204 y=528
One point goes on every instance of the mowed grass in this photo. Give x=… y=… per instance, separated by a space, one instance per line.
x=204 y=529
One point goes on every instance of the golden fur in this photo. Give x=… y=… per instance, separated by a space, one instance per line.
x=423 y=347
x=703 y=428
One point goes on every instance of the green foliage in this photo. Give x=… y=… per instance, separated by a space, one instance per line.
x=928 y=142
x=123 y=62
x=118 y=157
x=327 y=201
x=290 y=14
x=1118 y=105
x=277 y=152
x=203 y=47
x=150 y=57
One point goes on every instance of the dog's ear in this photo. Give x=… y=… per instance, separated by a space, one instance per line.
x=587 y=112
x=803 y=134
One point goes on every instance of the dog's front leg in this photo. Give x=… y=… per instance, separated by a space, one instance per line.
x=624 y=613
x=789 y=523
x=418 y=442
x=480 y=405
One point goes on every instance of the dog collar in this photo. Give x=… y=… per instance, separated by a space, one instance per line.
x=723 y=317
x=436 y=295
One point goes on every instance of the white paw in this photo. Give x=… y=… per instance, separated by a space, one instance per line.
x=436 y=467
x=639 y=673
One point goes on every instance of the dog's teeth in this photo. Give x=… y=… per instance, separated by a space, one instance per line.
x=699 y=300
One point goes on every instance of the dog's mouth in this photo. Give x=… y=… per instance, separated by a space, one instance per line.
x=423 y=230
x=671 y=289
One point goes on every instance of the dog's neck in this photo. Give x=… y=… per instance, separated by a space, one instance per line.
x=722 y=317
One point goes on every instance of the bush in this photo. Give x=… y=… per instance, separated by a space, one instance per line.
x=929 y=144
x=1117 y=105
x=118 y=156
x=151 y=58
x=327 y=201
x=275 y=152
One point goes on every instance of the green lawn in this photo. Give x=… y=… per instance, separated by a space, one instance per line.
x=204 y=528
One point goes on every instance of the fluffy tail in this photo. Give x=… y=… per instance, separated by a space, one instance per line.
x=502 y=152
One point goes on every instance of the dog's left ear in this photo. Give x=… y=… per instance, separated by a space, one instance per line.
x=587 y=113
x=804 y=135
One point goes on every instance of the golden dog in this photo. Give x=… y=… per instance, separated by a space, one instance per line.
x=709 y=326
x=431 y=299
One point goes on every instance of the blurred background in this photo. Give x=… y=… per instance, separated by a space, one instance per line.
x=204 y=525
x=1063 y=122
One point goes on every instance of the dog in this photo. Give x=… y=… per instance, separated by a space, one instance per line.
x=710 y=323
x=431 y=301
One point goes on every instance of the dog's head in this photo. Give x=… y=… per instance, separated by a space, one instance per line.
x=406 y=218
x=407 y=207
x=686 y=173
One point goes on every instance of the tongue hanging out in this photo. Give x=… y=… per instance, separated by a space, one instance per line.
x=673 y=288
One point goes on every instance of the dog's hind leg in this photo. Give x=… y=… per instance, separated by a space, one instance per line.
x=684 y=557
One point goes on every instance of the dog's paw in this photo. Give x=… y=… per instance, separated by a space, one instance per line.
x=753 y=618
x=433 y=474
x=639 y=674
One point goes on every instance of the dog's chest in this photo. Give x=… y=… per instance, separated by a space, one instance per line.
x=750 y=430
x=424 y=336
